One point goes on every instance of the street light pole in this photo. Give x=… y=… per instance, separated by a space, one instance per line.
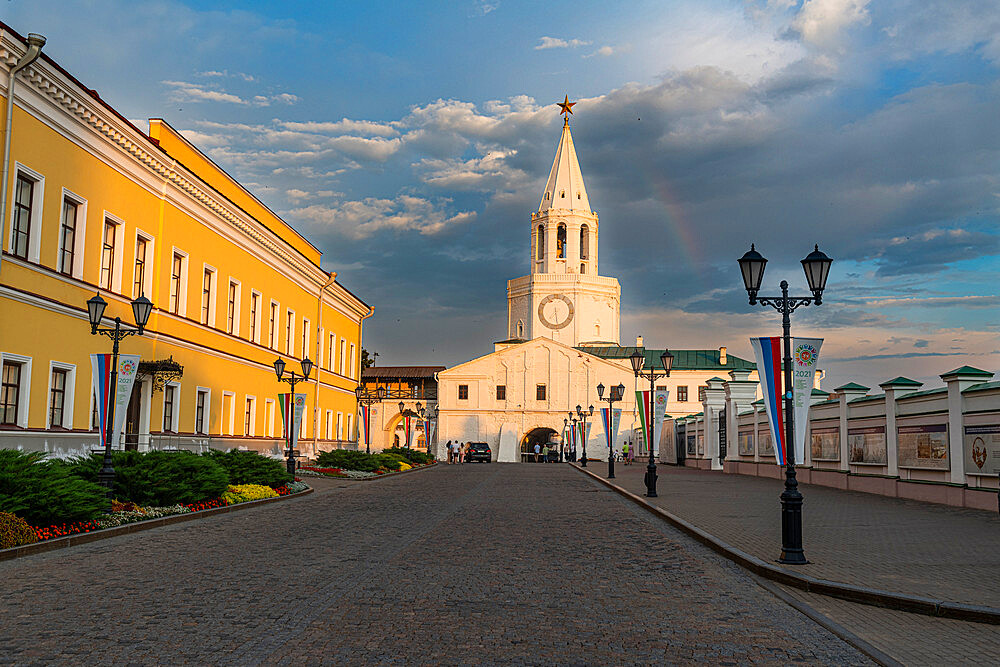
x=615 y=396
x=638 y=360
x=366 y=398
x=817 y=268
x=279 y=369
x=141 y=309
x=571 y=424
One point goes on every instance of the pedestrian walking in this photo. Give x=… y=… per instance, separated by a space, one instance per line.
x=572 y=453
x=545 y=453
x=538 y=450
x=447 y=448
x=461 y=453
x=625 y=453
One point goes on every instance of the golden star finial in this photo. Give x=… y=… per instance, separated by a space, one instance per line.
x=566 y=107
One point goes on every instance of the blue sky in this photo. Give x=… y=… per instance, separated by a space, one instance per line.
x=411 y=141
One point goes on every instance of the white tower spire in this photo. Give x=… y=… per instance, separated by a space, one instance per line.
x=563 y=297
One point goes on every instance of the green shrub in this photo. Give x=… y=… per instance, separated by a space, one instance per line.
x=159 y=478
x=250 y=468
x=388 y=461
x=15 y=531
x=347 y=459
x=410 y=455
x=46 y=492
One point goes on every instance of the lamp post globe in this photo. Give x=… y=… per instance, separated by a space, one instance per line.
x=279 y=367
x=752 y=265
x=637 y=358
x=95 y=311
x=380 y=392
x=402 y=406
x=359 y=391
x=141 y=309
x=600 y=391
x=816 y=266
x=307 y=367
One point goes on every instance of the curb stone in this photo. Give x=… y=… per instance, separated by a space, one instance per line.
x=850 y=592
x=94 y=535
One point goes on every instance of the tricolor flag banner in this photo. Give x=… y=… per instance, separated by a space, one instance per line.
x=291 y=416
x=805 y=357
x=659 y=412
x=365 y=412
x=611 y=419
x=100 y=368
x=411 y=424
x=645 y=419
x=767 y=351
x=428 y=432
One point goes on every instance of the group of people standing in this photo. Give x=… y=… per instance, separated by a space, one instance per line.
x=551 y=452
x=456 y=451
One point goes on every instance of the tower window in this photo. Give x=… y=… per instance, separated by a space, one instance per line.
x=583 y=268
x=562 y=194
x=578 y=195
x=561 y=242
x=540 y=242
x=584 y=242
x=520 y=329
x=546 y=196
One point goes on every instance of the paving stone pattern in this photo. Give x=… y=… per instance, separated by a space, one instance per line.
x=857 y=538
x=481 y=564
x=912 y=639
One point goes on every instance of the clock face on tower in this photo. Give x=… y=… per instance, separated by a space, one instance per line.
x=555 y=311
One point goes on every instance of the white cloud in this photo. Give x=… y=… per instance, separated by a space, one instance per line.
x=821 y=23
x=345 y=125
x=361 y=219
x=184 y=91
x=556 y=43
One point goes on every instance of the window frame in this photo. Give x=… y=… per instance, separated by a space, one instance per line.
x=250 y=416
x=275 y=313
x=22 y=406
x=69 y=394
x=149 y=256
x=463 y=392
x=202 y=423
x=234 y=302
x=175 y=394
x=33 y=242
x=541 y=392
x=256 y=301
x=207 y=301
x=682 y=393
x=180 y=305
x=289 y=332
x=501 y=392
x=117 y=253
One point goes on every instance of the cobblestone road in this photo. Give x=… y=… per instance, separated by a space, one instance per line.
x=454 y=565
x=857 y=538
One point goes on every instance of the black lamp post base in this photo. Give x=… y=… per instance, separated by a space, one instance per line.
x=650 y=479
x=791 y=522
x=290 y=466
x=611 y=467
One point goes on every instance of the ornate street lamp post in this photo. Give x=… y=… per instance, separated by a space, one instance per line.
x=817 y=267
x=279 y=370
x=583 y=417
x=615 y=396
x=638 y=360
x=141 y=308
x=366 y=398
x=571 y=424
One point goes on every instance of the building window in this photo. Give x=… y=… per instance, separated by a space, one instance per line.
x=231 y=311
x=540 y=241
x=57 y=397
x=108 y=255
x=584 y=242
x=340 y=426
x=350 y=426
x=305 y=338
x=94 y=416
x=200 y=414
x=175 y=283
x=561 y=241
x=10 y=393
x=501 y=392
x=682 y=394
x=289 y=332
x=343 y=355
x=274 y=322
x=206 y=295
x=254 y=316
x=463 y=392
x=701 y=394
x=539 y=392
x=68 y=234
x=354 y=364
x=520 y=329
x=329 y=353
x=248 y=429
x=583 y=268
x=24 y=190
x=139 y=276
x=169 y=392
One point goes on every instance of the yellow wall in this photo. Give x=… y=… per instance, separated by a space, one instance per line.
x=53 y=325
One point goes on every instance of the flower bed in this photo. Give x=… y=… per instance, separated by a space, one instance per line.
x=125 y=513
x=356 y=474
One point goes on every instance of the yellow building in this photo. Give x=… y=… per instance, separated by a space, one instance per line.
x=96 y=205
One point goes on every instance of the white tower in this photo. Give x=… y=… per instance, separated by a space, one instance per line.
x=564 y=298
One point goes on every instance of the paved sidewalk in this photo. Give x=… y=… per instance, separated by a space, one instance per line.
x=855 y=538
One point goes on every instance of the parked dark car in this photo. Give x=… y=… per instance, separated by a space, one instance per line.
x=478 y=451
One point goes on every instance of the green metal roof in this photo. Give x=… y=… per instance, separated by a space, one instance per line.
x=819 y=392
x=985 y=386
x=830 y=402
x=684 y=360
x=901 y=382
x=968 y=370
x=928 y=392
x=873 y=397
x=853 y=385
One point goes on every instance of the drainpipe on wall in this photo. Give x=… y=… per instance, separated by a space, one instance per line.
x=318 y=361
x=35 y=44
